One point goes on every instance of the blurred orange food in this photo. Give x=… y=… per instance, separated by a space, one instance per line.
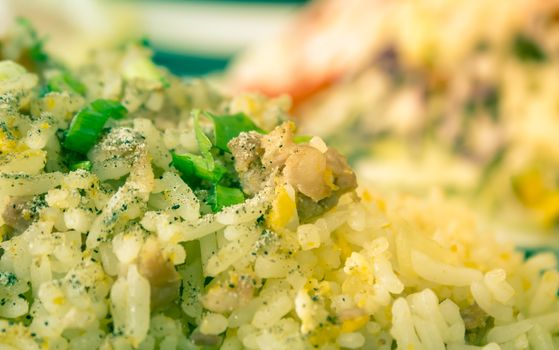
x=326 y=42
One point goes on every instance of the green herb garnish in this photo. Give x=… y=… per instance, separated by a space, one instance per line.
x=199 y=167
x=64 y=82
x=84 y=165
x=222 y=196
x=203 y=171
x=7 y=279
x=194 y=167
x=87 y=125
x=204 y=143
x=227 y=127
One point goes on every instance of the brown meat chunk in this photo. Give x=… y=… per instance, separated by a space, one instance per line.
x=474 y=317
x=208 y=340
x=305 y=169
x=477 y=323
x=247 y=151
x=161 y=274
x=17 y=215
x=226 y=295
x=319 y=178
x=278 y=145
x=344 y=177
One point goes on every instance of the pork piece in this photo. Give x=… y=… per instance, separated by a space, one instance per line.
x=344 y=177
x=306 y=170
x=20 y=212
x=247 y=150
x=477 y=323
x=209 y=340
x=278 y=145
x=161 y=274
x=319 y=178
x=474 y=317
x=227 y=295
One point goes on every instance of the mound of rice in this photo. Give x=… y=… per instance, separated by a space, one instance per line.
x=122 y=253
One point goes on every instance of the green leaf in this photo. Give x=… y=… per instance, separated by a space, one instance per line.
x=225 y=196
x=113 y=109
x=37 y=53
x=227 y=127
x=204 y=143
x=194 y=167
x=63 y=82
x=84 y=165
x=87 y=125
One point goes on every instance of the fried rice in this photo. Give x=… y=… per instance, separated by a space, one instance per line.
x=142 y=211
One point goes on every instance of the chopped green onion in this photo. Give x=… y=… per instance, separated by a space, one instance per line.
x=65 y=81
x=194 y=167
x=227 y=127
x=204 y=143
x=37 y=53
x=7 y=279
x=111 y=108
x=302 y=139
x=225 y=196
x=84 y=165
x=88 y=123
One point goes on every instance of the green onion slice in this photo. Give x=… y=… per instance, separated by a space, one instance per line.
x=84 y=165
x=194 y=167
x=227 y=127
x=204 y=143
x=65 y=81
x=225 y=196
x=88 y=123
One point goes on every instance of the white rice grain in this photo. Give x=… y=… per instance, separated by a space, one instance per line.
x=540 y=338
x=545 y=293
x=483 y=298
x=351 y=340
x=403 y=329
x=213 y=323
x=501 y=334
x=273 y=311
x=441 y=273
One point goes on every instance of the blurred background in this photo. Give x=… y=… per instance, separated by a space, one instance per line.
x=189 y=37
x=456 y=96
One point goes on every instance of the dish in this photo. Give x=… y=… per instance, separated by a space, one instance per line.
x=143 y=211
